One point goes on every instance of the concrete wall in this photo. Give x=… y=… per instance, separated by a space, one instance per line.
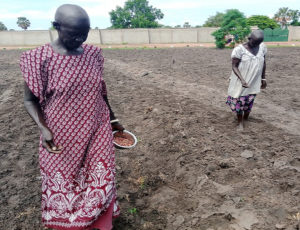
x=123 y=36
x=111 y=36
x=136 y=36
x=184 y=36
x=24 y=38
x=160 y=35
x=294 y=33
x=204 y=34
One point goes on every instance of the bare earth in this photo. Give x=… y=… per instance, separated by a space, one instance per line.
x=191 y=169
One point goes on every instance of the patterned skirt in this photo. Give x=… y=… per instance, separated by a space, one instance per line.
x=241 y=104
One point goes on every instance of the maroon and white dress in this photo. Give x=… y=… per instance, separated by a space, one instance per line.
x=78 y=185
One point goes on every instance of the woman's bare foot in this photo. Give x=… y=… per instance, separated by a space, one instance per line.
x=240 y=127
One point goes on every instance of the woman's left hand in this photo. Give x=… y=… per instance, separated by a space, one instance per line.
x=117 y=127
x=263 y=84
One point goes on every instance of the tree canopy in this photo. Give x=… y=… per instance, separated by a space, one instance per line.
x=285 y=16
x=187 y=25
x=2 y=26
x=214 y=21
x=23 y=22
x=295 y=15
x=262 y=22
x=136 y=14
x=234 y=23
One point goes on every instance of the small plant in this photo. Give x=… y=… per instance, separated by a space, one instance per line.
x=141 y=182
x=132 y=211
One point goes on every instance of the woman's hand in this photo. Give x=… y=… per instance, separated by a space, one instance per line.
x=245 y=84
x=47 y=142
x=117 y=127
x=263 y=84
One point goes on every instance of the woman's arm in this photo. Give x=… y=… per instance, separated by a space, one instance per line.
x=263 y=76
x=116 y=126
x=235 y=69
x=33 y=108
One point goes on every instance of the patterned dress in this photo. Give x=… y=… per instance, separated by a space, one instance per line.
x=78 y=185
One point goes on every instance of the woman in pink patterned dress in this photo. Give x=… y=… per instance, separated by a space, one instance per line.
x=66 y=96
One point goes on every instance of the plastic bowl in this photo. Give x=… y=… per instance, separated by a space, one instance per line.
x=126 y=147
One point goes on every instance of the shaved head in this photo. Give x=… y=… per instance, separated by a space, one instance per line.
x=72 y=15
x=72 y=24
x=257 y=35
x=255 y=38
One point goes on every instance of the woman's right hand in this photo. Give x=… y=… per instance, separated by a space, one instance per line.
x=47 y=142
x=245 y=84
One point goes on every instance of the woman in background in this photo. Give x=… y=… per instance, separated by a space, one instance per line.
x=248 y=76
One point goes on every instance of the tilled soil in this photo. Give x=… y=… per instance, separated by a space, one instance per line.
x=191 y=168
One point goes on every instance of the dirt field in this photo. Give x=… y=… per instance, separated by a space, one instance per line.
x=191 y=169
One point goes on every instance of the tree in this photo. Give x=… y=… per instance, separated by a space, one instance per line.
x=23 y=22
x=235 y=24
x=186 y=25
x=166 y=26
x=2 y=27
x=283 y=17
x=295 y=15
x=262 y=22
x=214 y=21
x=135 y=14
x=177 y=26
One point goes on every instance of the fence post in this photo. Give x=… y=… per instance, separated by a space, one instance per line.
x=100 y=36
x=51 y=37
x=122 y=36
x=149 y=38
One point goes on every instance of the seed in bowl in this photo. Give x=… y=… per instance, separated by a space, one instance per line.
x=123 y=139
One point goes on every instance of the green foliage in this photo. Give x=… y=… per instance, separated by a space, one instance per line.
x=295 y=15
x=214 y=21
x=2 y=27
x=177 y=26
x=51 y=27
x=234 y=23
x=23 y=22
x=262 y=22
x=166 y=27
x=135 y=14
x=186 y=25
x=132 y=211
x=285 y=16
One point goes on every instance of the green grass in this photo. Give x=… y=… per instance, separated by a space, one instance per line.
x=130 y=48
x=132 y=211
x=281 y=46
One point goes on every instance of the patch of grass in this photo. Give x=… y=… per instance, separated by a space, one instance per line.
x=130 y=48
x=282 y=46
x=141 y=181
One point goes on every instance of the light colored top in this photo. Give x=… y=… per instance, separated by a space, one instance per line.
x=251 y=68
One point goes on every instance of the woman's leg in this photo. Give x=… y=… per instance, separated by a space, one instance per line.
x=246 y=115
x=249 y=104
x=240 y=120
